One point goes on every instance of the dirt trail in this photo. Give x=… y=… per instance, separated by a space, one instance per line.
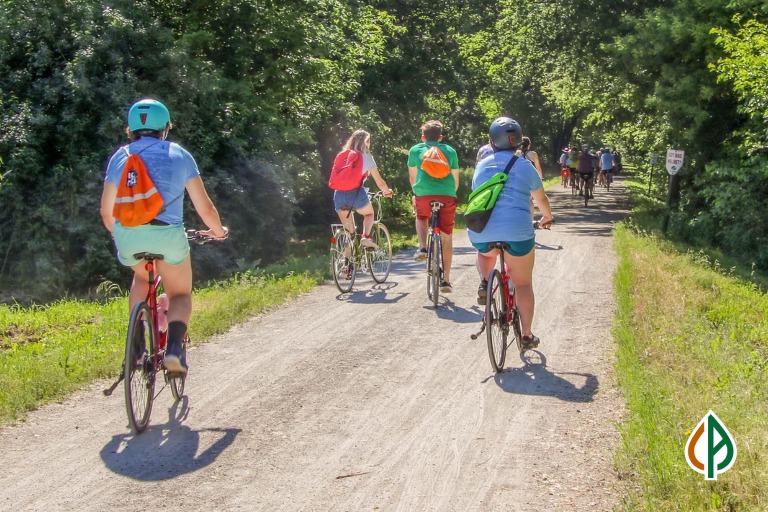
x=366 y=401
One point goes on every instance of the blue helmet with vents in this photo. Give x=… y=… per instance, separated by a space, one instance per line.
x=148 y=114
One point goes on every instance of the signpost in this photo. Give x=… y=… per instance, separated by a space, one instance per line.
x=675 y=159
x=654 y=161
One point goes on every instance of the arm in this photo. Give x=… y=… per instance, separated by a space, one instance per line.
x=205 y=208
x=412 y=171
x=542 y=201
x=376 y=175
x=535 y=159
x=108 y=196
x=455 y=173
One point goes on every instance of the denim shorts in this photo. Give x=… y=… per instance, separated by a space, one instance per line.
x=170 y=241
x=515 y=248
x=355 y=199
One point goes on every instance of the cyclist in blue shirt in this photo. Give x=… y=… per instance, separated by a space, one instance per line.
x=173 y=171
x=510 y=221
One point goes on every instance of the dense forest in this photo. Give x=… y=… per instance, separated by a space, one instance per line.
x=263 y=93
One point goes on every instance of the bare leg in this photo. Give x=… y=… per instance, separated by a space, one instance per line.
x=447 y=255
x=421 y=232
x=521 y=272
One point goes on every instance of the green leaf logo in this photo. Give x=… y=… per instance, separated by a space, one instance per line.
x=710 y=449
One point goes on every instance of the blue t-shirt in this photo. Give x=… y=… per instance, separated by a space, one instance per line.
x=170 y=166
x=606 y=160
x=511 y=218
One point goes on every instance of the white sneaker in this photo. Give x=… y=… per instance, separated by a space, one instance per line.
x=421 y=255
x=368 y=242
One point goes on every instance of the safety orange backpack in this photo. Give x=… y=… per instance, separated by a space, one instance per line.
x=137 y=201
x=434 y=163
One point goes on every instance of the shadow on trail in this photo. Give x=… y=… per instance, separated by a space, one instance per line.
x=376 y=294
x=447 y=310
x=536 y=380
x=165 y=451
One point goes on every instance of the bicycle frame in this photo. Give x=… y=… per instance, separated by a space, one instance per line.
x=434 y=245
x=151 y=300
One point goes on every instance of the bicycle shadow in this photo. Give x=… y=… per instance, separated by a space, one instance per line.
x=542 y=247
x=536 y=380
x=448 y=310
x=165 y=451
x=377 y=294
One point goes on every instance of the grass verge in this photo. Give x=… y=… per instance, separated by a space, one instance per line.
x=690 y=339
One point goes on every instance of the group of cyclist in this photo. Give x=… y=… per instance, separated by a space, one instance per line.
x=584 y=168
x=510 y=222
x=174 y=171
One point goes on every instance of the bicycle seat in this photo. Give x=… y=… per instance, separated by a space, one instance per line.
x=436 y=205
x=148 y=256
x=499 y=245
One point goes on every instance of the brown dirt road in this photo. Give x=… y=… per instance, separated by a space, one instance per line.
x=367 y=401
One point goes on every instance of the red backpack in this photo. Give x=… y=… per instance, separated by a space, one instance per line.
x=347 y=172
x=137 y=201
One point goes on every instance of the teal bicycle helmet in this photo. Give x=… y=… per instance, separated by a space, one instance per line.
x=148 y=114
x=505 y=133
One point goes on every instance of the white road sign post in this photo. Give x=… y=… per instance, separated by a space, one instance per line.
x=675 y=159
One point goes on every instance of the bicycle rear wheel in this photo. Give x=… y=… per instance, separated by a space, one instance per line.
x=433 y=269
x=496 y=327
x=380 y=258
x=608 y=180
x=586 y=193
x=176 y=381
x=139 y=370
x=342 y=261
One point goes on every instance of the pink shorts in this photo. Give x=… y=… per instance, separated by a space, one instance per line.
x=446 y=215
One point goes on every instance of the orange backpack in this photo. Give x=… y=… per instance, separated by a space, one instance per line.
x=137 y=201
x=434 y=163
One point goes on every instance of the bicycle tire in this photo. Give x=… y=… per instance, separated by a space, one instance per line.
x=380 y=259
x=608 y=180
x=175 y=381
x=139 y=375
x=433 y=270
x=496 y=327
x=586 y=194
x=517 y=329
x=342 y=266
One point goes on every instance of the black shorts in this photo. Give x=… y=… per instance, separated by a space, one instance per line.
x=586 y=175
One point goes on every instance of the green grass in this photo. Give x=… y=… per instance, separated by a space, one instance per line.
x=47 y=352
x=691 y=338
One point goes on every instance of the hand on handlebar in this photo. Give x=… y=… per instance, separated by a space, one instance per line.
x=545 y=222
x=208 y=233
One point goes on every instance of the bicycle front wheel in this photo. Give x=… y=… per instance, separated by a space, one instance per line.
x=175 y=381
x=433 y=269
x=496 y=327
x=518 y=330
x=342 y=261
x=380 y=258
x=139 y=370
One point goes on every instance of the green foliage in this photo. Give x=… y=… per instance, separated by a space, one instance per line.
x=263 y=94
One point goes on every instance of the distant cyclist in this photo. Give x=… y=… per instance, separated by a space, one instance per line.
x=173 y=171
x=357 y=199
x=510 y=221
x=586 y=172
x=427 y=188
x=606 y=164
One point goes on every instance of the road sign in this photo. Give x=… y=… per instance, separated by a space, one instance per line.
x=675 y=159
x=654 y=158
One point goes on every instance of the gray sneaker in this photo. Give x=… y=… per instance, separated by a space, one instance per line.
x=446 y=287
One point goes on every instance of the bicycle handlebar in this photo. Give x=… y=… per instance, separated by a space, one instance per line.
x=538 y=225
x=198 y=237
